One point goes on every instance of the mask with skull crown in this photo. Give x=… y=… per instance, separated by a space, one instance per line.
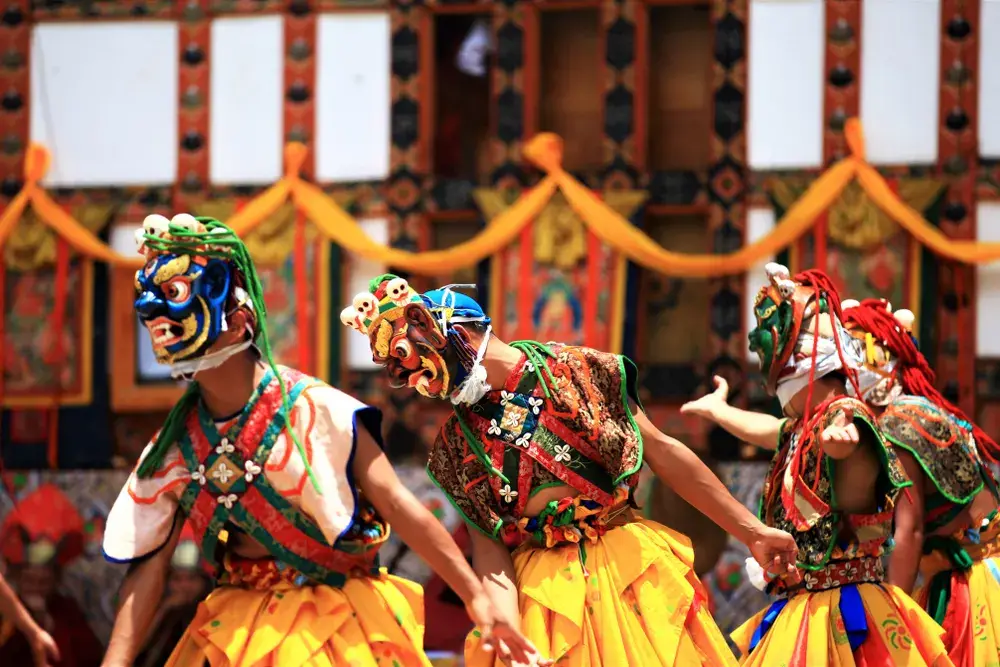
x=188 y=285
x=411 y=334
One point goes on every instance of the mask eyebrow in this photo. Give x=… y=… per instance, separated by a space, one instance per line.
x=172 y=268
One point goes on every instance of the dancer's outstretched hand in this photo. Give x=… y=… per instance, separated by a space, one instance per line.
x=706 y=406
x=776 y=552
x=44 y=649
x=503 y=635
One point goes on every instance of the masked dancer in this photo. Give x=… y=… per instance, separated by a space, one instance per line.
x=833 y=482
x=541 y=458
x=947 y=527
x=282 y=478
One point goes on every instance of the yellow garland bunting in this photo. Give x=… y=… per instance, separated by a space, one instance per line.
x=544 y=150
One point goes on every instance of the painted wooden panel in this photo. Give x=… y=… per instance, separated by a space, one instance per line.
x=352 y=97
x=104 y=101
x=246 y=111
x=900 y=51
x=988 y=284
x=785 y=105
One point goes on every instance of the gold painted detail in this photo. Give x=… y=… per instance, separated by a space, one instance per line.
x=32 y=243
x=560 y=236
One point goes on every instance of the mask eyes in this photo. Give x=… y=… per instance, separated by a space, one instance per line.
x=177 y=291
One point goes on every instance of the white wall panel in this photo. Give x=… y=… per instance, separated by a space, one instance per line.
x=988 y=284
x=246 y=114
x=352 y=97
x=989 y=79
x=785 y=82
x=900 y=52
x=360 y=271
x=760 y=222
x=104 y=101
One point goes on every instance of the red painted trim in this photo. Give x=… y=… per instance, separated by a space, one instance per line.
x=193 y=173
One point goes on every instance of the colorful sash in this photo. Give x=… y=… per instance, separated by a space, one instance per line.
x=228 y=484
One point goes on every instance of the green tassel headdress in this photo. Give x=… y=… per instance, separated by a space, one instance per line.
x=207 y=237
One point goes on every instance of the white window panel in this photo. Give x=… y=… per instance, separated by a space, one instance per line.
x=988 y=283
x=785 y=84
x=900 y=62
x=989 y=79
x=352 y=97
x=360 y=271
x=104 y=101
x=760 y=223
x=246 y=114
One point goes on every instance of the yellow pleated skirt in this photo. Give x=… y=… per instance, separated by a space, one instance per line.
x=370 y=622
x=629 y=599
x=811 y=631
x=972 y=621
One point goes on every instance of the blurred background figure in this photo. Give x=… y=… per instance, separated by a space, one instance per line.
x=189 y=582
x=39 y=538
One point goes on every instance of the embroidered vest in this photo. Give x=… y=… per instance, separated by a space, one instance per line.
x=798 y=492
x=944 y=449
x=582 y=432
x=229 y=485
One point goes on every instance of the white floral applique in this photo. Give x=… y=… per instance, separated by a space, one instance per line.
x=529 y=367
x=535 y=404
x=505 y=397
x=225 y=447
x=228 y=501
x=199 y=475
x=562 y=454
x=512 y=420
x=252 y=470
x=494 y=428
x=508 y=494
x=223 y=473
x=524 y=440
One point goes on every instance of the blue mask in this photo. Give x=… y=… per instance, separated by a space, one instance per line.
x=181 y=300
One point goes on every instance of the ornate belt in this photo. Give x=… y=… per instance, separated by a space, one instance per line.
x=862 y=570
x=260 y=574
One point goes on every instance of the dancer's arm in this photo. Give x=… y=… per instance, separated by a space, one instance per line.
x=904 y=561
x=42 y=645
x=684 y=472
x=141 y=594
x=494 y=565
x=427 y=536
x=754 y=427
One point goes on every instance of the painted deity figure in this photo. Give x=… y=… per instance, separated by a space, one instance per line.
x=280 y=476
x=541 y=458
x=947 y=527
x=834 y=483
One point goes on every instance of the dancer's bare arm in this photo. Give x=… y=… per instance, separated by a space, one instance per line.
x=42 y=645
x=685 y=473
x=140 y=596
x=904 y=561
x=494 y=565
x=427 y=536
x=753 y=427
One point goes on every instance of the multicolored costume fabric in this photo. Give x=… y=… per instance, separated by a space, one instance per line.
x=596 y=584
x=280 y=473
x=960 y=592
x=842 y=613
